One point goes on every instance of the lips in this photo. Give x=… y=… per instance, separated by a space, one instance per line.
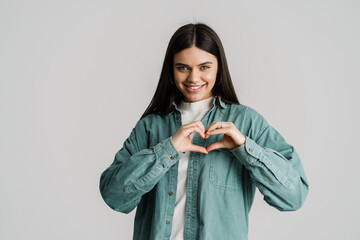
x=194 y=88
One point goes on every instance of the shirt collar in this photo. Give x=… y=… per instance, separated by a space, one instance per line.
x=222 y=104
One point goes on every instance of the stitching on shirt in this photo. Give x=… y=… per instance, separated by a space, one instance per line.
x=262 y=132
x=222 y=186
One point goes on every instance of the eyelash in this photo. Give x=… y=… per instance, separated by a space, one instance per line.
x=182 y=68
x=185 y=68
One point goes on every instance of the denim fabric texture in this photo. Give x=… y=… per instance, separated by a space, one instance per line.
x=221 y=184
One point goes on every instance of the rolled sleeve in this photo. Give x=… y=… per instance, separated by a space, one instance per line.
x=248 y=153
x=167 y=153
x=251 y=154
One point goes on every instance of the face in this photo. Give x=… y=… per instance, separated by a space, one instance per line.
x=195 y=73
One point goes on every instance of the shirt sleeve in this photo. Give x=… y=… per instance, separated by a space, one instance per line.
x=135 y=170
x=275 y=168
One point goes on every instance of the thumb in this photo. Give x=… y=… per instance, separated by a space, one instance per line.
x=214 y=146
x=195 y=148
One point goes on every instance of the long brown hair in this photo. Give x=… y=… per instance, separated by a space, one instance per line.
x=205 y=38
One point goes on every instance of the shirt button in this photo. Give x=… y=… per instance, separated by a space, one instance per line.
x=172 y=157
x=177 y=117
x=250 y=150
x=168 y=222
x=171 y=193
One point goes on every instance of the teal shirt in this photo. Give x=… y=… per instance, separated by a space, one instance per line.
x=221 y=184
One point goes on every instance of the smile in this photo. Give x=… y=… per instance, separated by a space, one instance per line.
x=196 y=88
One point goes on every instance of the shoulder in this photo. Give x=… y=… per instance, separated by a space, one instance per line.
x=147 y=121
x=250 y=118
x=255 y=115
x=141 y=132
x=151 y=121
x=247 y=112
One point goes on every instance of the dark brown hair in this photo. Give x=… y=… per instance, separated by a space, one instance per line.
x=203 y=37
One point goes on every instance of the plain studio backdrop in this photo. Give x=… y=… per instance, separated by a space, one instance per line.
x=77 y=75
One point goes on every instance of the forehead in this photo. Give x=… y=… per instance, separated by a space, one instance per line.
x=193 y=55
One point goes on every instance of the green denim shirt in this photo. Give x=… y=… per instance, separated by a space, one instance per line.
x=221 y=184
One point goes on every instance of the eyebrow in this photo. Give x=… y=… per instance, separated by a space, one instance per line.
x=183 y=64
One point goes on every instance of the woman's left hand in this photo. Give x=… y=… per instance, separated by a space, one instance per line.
x=232 y=136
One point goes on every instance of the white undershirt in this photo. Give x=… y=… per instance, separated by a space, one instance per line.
x=190 y=112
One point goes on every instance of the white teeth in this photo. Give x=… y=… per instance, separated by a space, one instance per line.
x=194 y=87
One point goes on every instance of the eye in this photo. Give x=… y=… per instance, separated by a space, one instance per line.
x=182 y=68
x=204 y=67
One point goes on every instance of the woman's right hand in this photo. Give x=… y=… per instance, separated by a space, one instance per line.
x=182 y=141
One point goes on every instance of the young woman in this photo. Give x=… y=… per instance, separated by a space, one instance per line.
x=193 y=161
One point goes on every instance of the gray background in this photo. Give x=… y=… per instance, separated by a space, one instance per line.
x=77 y=75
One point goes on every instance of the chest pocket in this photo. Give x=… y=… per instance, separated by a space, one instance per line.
x=225 y=170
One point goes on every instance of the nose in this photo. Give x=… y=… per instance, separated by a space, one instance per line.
x=194 y=76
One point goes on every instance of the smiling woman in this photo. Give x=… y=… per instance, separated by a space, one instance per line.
x=195 y=72
x=194 y=159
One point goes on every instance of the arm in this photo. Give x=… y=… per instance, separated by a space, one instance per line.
x=135 y=170
x=275 y=168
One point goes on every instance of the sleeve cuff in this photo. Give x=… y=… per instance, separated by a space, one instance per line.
x=166 y=152
x=248 y=153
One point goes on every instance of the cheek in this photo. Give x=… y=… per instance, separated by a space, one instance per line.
x=178 y=80
x=211 y=77
x=178 y=77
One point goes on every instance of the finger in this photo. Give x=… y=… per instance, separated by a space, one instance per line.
x=233 y=133
x=200 y=132
x=226 y=131
x=199 y=124
x=212 y=126
x=194 y=128
x=195 y=148
x=216 y=125
x=216 y=145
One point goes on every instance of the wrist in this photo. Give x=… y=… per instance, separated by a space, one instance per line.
x=243 y=141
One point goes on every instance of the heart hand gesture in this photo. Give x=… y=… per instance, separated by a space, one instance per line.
x=232 y=136
x=182 y=141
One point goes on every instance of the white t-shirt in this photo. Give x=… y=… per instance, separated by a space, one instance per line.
x=190 y=112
